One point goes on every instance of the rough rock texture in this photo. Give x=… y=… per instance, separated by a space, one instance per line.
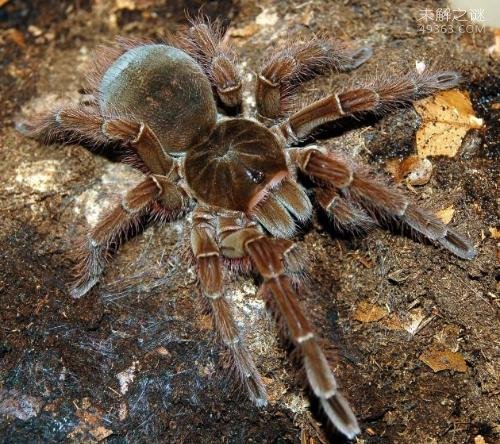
x=136 y=360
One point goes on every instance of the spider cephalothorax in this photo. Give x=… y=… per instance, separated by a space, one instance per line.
x=239 y=177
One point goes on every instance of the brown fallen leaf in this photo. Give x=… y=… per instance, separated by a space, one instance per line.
x=17 y=37
x=494 y=232
x=413 y=170
x=393 y=322
x=446 y=214
x=35 y=31
x=267 y=18
x=439 y=360
x=368 y=312
x=244 y=32
x=125 y=4
x=307 y=17
x=133 y=5
x=446 y=117
x=162 y=351
x=494 y=50
x=370 y=431
x=411 y=321
x=100 y=433
x=478 y=439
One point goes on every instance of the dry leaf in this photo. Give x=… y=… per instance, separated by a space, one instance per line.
x=494 y=50
x=446 y=117
x=415 y=319
x=368 y=312
x=439 y=360
x=125 y=4
x=17 y=37
x=393 y=322
x=100 y=433
x=411 y=322
x=267 y=18
x=494 y=232
x=92 y=419
x=446 y=214
x=307 y=17
x=414 y=170
x=478 y=439
x=245 y=32
x=132 y=5
x=162 y=351
x=370 y=431
x=35 y=31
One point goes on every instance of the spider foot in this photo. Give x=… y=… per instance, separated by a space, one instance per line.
x=249 y=375
x=90 y=270
x=338 y=411
x=82 y=289
x=458 y=245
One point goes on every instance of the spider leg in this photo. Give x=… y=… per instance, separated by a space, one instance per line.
x=378 y=198
x=344 y=213
x=209 y=267
x=115 y=226
x=379 y=96
x=277 y=211
x=65 y=123
x=269 y=257
x=204 y=42
x=76 y=124
x=287 y=68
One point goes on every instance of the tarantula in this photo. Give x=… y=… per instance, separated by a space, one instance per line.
x=241 y=179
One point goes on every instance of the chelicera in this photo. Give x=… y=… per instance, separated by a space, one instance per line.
x=239 y=179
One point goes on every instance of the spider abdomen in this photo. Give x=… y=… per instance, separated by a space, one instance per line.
x=164 y=88
x=235 y=167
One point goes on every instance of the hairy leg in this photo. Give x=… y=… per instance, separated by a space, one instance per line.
x=376 y=197
x=344 y=213
x=277 y=211
x=76 y=124
x=269 y=257
x=204 y=42
x=114 y=226
x=209 y=266
x=286 y=69
x=379 y=96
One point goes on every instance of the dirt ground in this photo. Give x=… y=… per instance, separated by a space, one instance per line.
x=136 y=360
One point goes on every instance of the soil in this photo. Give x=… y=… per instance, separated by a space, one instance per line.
x=136 y=360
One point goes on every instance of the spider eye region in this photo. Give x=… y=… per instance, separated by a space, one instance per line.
x=236 y=166
x=166 y=89
x=255 y=176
